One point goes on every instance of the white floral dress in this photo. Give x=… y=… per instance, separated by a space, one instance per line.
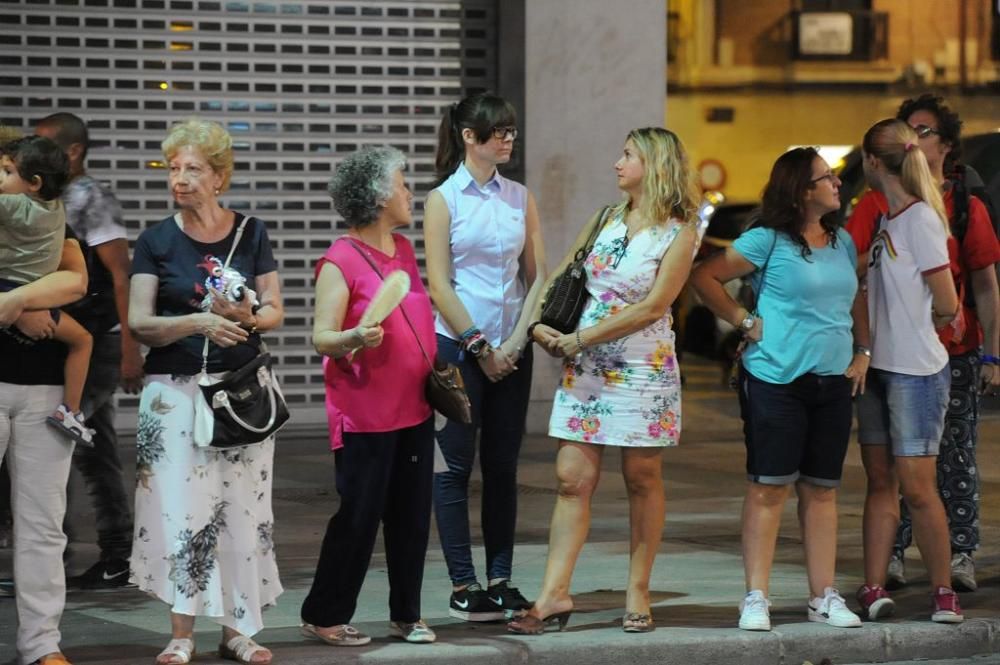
x=625 y=392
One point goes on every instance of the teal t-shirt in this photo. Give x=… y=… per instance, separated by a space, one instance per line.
x=805 y=303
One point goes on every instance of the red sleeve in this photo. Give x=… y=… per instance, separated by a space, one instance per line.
x=980 y=248
x=864 y=220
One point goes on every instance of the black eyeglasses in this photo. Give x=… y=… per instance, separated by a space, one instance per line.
x=923 y=131
x=502 y=133
x=830 y=176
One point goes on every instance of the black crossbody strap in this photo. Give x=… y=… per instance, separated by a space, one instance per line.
x=401 y=310
x=763 y=268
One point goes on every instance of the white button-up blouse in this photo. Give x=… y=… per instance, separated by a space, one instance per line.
x=486 y=237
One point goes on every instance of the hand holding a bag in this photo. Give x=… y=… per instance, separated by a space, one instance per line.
x=220 y=330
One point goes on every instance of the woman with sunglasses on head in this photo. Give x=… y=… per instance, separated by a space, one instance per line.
x=485 y=269
x=621 y=383
x=911 y=293
x=973 y=251
x=797 y=374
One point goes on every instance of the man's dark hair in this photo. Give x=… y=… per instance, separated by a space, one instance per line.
x=949 y=124
x=70 y=129
x=37 y=156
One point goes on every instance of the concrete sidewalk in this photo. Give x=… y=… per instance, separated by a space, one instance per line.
x=697 y=582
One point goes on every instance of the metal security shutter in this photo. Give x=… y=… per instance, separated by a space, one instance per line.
x=298 y=84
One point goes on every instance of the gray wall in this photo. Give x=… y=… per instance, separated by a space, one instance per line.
x=593 y=71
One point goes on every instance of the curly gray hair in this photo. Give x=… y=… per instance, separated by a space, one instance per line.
x=363 y=183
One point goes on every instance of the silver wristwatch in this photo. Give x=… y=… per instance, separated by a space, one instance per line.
x=746 y=325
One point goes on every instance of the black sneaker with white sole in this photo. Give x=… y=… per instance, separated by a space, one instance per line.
x=507 y=598
x=473 y=604
x=110 y=574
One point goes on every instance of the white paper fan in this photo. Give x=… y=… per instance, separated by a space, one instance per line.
x=387 y=298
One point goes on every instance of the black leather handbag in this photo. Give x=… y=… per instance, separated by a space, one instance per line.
x=563 y=302
x=247 y=404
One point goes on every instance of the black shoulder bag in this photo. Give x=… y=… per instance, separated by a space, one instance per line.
x=563 y=302
x=734 y=374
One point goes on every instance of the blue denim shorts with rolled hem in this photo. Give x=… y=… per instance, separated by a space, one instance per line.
x=904 y=411
x=793 y=478
x=797 y=431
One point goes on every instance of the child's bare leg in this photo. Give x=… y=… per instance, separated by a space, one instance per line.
x=80 y=345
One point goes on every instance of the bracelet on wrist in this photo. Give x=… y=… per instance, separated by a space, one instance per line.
x=531 y=332
x=990 y=360
x=469 y=333
x=579 y=342
x=862 y=351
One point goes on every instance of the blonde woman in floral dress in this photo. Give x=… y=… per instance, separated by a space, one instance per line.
x=621 y=385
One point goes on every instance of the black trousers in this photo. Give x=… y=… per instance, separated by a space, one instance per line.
x=382 y=477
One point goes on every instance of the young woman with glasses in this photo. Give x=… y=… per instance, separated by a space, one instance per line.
x=485 y=269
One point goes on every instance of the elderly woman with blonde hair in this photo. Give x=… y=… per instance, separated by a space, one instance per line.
x=203 y=518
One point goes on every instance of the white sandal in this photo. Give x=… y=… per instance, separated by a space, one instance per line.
x=180 y=650
x=242 y=649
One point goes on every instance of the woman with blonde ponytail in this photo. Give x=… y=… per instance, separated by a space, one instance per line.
x=901 y=413
x=621 y=384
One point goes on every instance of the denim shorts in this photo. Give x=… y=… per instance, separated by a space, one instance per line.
x=796 y=431
x=904 y=411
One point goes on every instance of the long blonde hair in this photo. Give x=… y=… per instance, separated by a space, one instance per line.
x=895 y=144
x=667 y=188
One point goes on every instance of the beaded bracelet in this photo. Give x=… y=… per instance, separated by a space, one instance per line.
x=579 y=342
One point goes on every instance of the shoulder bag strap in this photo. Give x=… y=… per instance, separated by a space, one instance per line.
x=401 y=310
x=602 y=219
x=763 y=269
x=225 y=266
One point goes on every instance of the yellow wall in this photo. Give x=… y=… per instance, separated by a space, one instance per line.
x=766 y=123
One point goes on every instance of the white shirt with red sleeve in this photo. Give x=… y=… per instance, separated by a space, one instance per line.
x=909 y=246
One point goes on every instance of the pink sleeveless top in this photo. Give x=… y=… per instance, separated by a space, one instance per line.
x=380 y=389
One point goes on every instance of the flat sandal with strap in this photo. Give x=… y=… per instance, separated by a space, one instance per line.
x=180 y=650
x=242 y=649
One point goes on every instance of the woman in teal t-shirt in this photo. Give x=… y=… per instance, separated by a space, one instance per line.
x=798 y=373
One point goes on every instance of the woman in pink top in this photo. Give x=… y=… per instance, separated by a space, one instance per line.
x=381 y=427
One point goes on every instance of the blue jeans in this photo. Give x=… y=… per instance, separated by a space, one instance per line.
x=498 y=412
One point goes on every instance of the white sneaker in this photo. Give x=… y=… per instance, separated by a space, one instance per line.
x=832 y=610
x=963 y=572
x=895 y=574
x=754 y=613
